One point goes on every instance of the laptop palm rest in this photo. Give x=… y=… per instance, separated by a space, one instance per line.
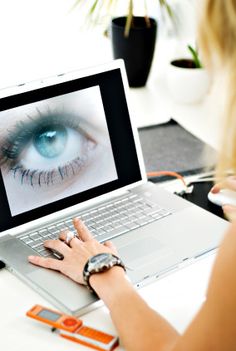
x=60 y=290
x=64 y=291
x=150 y=251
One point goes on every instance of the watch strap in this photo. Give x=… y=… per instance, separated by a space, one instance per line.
x=114 y=261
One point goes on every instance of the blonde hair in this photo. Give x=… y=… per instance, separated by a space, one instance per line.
x=217 y=40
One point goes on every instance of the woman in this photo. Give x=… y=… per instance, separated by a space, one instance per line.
x=214 y=327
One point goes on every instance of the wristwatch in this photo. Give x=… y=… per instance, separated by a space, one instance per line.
x=100 y=263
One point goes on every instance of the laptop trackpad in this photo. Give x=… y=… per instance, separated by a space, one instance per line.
x=144 y=252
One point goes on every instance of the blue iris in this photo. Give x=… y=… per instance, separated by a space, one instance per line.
x=50 y=141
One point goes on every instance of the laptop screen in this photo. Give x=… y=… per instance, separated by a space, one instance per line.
x=64 y=144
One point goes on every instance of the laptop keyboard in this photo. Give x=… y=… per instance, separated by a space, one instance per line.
x=104 y=222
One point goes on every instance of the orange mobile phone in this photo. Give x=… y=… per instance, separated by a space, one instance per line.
x=56 y=319
x=73 y=329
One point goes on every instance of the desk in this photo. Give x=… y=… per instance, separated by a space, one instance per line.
x=177 y=296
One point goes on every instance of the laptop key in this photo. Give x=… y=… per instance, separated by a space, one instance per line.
x=141 y=222
x=35 y=245
x=99 y=232
x=112 y=234
x=40 y=248
x=45 y=253
x=151 y=204
x=28 y=241
x=107 y=228
x=53 y=229
x=42 y=232
x=60 y=226
x=23 y=237
x=132 y=226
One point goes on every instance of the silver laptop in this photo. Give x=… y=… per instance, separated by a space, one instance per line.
x=69 y=147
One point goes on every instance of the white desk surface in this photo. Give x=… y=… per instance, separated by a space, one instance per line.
x=176 y=296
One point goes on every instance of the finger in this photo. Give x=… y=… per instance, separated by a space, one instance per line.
x=229 y=208
x=73 y=242
x=229 y=183
x=83 y=232
x=58 y=246
x=45 y=262
x=63 y=234
x=230 y=212
x=216 y=188
x=110 y=245
x=66 y=236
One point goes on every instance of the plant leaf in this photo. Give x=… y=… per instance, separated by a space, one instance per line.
x=195 y=56
x=129 y=19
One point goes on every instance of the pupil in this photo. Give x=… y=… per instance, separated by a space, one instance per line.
x=50 y=141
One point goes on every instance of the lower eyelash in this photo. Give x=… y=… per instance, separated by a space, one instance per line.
x=51 y=177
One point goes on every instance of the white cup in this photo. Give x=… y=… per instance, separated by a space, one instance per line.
x=187 y=85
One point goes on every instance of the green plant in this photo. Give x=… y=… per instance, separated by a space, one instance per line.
x=195 y=57
x=98 y=7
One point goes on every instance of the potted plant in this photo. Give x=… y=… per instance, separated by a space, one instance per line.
x=133 y=37
x=187 y=79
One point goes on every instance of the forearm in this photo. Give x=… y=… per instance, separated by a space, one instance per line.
x=139 y=327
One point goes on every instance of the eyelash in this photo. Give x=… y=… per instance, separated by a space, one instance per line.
x=24 y=132
x=40 y=178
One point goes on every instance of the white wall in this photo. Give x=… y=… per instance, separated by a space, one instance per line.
x=43 y=37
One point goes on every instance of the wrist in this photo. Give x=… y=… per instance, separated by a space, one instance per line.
x=100 y=263
x=110 y=283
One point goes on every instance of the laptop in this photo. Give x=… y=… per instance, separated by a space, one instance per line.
x=69 y=147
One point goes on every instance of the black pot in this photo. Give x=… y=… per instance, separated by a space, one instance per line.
x=184 y=63
x=137 y=49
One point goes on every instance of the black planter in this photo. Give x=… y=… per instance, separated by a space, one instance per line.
x=137 y=49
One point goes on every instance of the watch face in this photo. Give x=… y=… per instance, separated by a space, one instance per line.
x=100 y=259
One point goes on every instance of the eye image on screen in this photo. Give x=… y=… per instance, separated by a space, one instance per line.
x=55 y=148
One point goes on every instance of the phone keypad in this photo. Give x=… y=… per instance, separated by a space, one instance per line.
x=95 y=334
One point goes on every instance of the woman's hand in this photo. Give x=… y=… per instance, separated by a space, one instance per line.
x=76 y=254
x=229 y=183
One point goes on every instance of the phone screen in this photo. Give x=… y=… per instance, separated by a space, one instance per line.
x=49 y=315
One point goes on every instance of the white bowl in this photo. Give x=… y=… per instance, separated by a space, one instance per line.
x=187 y=85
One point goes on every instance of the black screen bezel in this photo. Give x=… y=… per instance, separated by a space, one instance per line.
x=121 y=136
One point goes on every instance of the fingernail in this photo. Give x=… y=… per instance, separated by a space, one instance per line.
x=31 y=258
x=214 y=189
